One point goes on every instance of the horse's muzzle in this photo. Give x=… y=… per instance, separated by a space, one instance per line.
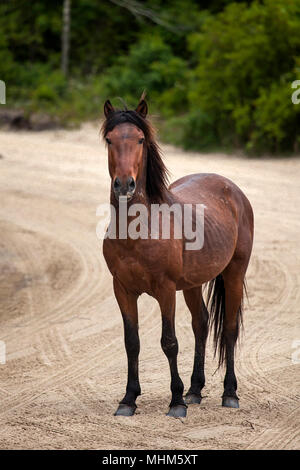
x=126 y=188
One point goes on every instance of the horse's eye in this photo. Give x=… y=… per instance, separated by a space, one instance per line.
x=108 y=140
x=141 y=140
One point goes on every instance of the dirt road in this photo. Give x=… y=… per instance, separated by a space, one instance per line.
x=65 y=364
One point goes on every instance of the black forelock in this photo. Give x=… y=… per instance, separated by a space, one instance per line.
x=126 y=116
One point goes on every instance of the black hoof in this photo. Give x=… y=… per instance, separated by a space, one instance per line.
x=192 y=399
x=230 y=402
x=177 y=411
x=125 y=410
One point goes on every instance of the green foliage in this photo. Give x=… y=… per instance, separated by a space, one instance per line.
x=277 y=120
x=246 y=62
x=193 y=131
x=150 y=65
x=217 y=73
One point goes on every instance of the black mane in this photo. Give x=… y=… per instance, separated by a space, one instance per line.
x=156 y=172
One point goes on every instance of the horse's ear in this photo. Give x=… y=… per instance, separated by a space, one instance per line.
x=108 y=108
x=142 y=108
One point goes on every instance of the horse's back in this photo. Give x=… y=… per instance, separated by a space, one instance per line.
x=192 y=188
x=212 y=190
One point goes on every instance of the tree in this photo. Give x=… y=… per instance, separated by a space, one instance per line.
x=66 y=37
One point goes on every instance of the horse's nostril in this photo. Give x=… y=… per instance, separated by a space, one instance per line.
x=117 y=183
x=131 y=184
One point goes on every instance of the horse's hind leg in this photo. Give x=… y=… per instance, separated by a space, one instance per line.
x=233 y=277
x=196 y=305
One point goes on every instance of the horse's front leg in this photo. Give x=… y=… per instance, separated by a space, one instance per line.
x=169 y=345
x=128 y=306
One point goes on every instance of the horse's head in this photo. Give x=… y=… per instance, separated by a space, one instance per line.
x=125 y=133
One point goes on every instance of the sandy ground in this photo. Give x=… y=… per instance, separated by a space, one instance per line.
x=65 y=360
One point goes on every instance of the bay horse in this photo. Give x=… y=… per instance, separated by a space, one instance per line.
x=160 y=267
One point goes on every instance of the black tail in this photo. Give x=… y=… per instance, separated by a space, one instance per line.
x=216 y=308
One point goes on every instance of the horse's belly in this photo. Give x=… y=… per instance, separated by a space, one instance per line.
x=199 y=268
x=202 y=265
